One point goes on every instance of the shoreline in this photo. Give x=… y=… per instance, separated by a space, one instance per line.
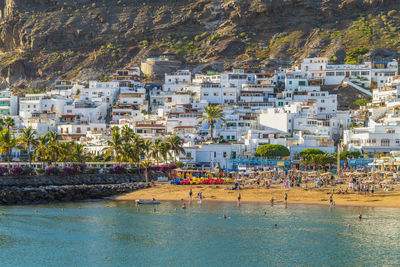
x=279 y=203
x=253 y=194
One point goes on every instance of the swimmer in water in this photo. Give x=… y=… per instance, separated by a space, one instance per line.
x=138 y=209
x=224 y=217
x=348 y=226
x=360 y=216
x=184 y=206
x=276 y=225
x=154 y=210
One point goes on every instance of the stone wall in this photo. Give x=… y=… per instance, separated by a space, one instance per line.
x=12 y=195
x=46 y=188
x=88 y=179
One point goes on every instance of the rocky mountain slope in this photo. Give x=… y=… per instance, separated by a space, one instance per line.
x=44 y=40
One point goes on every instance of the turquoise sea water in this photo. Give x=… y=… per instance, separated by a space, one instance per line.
x=116 y=234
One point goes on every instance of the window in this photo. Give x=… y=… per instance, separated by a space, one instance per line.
x=390 y=131
x=330 y=74
x=322 y=101
x=385 y=142
x=302 y=82
x=215 y=94
x=365 y=73
x=290 y=82
x=188 y=155
x=205 y=94
x=339 y=73
x=224 y=154
x=397 y=141
x=78 y=130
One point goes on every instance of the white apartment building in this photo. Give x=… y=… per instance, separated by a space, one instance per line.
x=377 y=71
x=212 y=155
x=176 y=81
x=8 y=103
x=41 y=103
x=215 y=93
x=105 y=92
x=130 y=73
x=86 y=110
x=382 y=134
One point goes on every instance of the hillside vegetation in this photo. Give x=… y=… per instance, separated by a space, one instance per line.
x=44 y=40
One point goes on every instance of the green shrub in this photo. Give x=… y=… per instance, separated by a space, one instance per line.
x=272 y=151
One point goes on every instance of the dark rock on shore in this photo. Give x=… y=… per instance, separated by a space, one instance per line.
x=12 y=195
x=45 y=189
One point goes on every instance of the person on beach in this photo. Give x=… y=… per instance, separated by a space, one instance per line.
x=190 y=194
x=271 y=201
x=200 y=194
x=239 y=197
x=285 y=197
x=331 y=200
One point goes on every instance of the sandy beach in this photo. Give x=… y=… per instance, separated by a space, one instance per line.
x=252 y=193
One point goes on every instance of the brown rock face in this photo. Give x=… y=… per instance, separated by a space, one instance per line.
x=69 y=38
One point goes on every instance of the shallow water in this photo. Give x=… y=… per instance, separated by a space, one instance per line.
x=115 y=234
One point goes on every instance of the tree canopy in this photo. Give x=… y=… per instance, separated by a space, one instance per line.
x=311 y=151
x=350 y=155
x=272 y=151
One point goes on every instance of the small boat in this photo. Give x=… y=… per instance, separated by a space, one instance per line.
x=147 y=202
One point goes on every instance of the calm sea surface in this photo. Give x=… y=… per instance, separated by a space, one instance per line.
x=116 y=234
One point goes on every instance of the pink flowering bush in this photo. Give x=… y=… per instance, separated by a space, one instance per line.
x=3 y=170
x=17 y=170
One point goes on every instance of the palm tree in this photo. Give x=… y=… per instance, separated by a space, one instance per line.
x=127 y=133
x=41 y=152
x=146 y=149
x=8 y=122
x=165 y=151
x=7 y=143
x=146 y=165
x=156 y=149
x=214 y=114
x=176 y=145
x=64 y=152
x=52 y=148
x=79 y=154
x=27 y=140
x=114 y=146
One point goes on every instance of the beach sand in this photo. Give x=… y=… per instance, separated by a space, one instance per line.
x=252 y=193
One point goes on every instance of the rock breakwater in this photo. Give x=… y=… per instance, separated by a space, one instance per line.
x=46 y=189
x=12 y=195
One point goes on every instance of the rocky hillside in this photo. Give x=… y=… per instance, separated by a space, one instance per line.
x=44 y=40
